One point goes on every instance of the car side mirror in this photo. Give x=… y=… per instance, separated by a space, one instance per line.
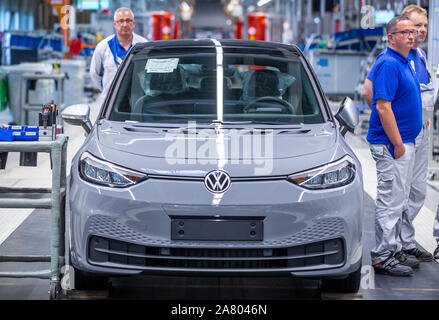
x=78 y=115
x=348 y=116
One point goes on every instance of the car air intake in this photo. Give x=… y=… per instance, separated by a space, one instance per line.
x=107 y=252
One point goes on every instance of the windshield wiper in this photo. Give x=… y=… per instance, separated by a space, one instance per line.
x=251 y=122
x=230 y=122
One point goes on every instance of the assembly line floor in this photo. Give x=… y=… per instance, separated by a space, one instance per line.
x=25 y=231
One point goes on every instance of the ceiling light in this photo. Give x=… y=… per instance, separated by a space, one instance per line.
x=263 y=2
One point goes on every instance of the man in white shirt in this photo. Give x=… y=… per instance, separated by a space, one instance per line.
x=111 y=51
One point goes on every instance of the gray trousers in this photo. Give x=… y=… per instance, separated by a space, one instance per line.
x=418 y=189
x=392 y=192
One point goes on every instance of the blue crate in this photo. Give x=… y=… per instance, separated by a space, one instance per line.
x=25 y=41
x=25 y=135
x=23 y=128
x=6 y=135
x=21 y=133
x=16 y=128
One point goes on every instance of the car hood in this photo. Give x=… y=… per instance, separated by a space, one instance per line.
x=225 y=142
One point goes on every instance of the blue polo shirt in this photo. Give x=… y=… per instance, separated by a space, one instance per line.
x=420 y=67
x=395 y=80
x=118 y=50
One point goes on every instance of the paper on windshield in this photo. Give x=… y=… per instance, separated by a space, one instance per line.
x=161 y=65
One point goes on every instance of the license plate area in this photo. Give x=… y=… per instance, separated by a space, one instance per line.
x=211 y=229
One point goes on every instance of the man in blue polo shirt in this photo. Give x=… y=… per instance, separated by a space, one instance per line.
x=418 y=181
x=110 y=52
x=395 y=122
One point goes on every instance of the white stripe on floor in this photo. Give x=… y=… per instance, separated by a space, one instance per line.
x=16 y=177
x=11 y=219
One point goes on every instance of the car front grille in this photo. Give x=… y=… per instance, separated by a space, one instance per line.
x=107 y=252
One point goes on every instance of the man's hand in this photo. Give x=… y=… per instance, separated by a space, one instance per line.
x=399 y=151
x=390 y=127
x=428 y=124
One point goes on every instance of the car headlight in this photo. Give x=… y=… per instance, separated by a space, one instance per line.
x=100 y=172
x=331 y=175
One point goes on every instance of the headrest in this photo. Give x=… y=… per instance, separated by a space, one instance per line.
x=263 y=83
x=155 y=84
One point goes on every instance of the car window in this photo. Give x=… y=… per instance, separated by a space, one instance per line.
x=176 y=89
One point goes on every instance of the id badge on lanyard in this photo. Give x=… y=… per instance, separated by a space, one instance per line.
x=117 y=59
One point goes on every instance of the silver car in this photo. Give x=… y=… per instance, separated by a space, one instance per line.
x=216 y=157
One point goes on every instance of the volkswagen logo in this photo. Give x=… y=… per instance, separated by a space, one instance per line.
x=217 y=181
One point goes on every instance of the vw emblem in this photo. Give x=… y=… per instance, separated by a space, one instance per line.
x=217 y=181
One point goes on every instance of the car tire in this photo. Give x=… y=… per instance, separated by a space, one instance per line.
x=350 y=284
x=83 y=281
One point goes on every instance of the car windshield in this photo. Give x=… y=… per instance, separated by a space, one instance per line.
x=177 y=87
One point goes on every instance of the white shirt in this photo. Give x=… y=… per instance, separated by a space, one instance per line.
x=103 y=67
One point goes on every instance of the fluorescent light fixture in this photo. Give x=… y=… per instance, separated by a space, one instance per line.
x=263 y=2
x=184 y=6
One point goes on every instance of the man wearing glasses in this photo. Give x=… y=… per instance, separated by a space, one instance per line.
x=395 y=122
x=110 y=52
x=418 y=181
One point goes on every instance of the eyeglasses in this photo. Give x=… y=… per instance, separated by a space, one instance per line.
x=121 y=21
x=406 y=33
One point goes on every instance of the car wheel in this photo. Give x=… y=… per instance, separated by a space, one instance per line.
x=350 y=284
x=82 y=281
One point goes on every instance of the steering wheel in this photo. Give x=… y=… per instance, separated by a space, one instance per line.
x=138 y=106
x=286 y=106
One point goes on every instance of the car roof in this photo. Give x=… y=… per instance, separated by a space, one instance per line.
x=246 y=45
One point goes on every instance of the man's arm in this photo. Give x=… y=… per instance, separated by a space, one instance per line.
x=367 y=92
x=390 y=127
x=96 y=67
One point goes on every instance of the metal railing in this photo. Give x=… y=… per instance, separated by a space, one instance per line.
x=58 y=153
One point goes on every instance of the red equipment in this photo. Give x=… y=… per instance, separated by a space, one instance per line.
x=162 y=25
x=256 y=26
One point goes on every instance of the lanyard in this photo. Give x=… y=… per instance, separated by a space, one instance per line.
x=425 y=63
x=113 y=50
